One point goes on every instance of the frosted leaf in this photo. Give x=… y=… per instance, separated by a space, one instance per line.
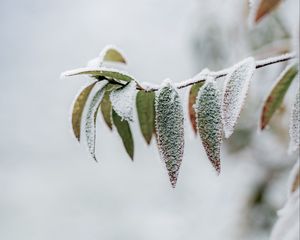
x=122 y=100
x=287 y=225
x=78 y=107
x=192 y=98
x=110 y=74
x=90 y=125
x=209 y=121
x=294 y=124
x=275 y=97
x=170 y=130
x=294 y=180
x=235 y=91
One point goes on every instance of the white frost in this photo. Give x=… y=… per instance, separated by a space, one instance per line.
x=90 y=127
x=122 y=100
x=294 y=124
x=170 y=130
x=209 y=121
x=235 y=91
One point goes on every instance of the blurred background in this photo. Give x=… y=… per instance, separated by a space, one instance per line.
x=50 y=188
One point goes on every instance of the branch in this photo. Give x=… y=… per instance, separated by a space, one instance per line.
x=222 y=73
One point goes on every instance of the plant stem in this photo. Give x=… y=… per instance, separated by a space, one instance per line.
x=222 y=73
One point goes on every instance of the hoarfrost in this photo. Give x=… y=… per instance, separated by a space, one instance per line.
x=122 y=100
x=90 y=125
x=294 y=125
x=235 y=91
x=209 y=121
x=170 y=130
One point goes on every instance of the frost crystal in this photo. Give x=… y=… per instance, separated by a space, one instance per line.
x=90 y=127
x=236 y=88
x=294 y=125
x=170 y=130
x=122 y=100
x=209 y=121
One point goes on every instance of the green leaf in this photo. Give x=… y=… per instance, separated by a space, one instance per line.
x=275 y=97
x=124 y=131
x=90 y=125
x=209 y=121
x=110 y=74
x=192 y=99
x=78 y=109
x=111 y=53
x=146 y=113
x=106 y=109
x=169 y=129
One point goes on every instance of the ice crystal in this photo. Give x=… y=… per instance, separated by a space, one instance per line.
x=235 y=91
x=170 y=130
x=90 y=126
x=122 y=100
x=209 y=121
x=294 y=124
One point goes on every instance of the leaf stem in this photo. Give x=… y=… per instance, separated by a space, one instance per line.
x=222 y=73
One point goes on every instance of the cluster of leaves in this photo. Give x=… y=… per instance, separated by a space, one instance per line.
x=212 y=113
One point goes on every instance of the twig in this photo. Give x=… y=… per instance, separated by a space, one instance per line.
x=222 y=73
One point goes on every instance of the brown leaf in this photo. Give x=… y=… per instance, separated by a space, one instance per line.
x=192 y=99
x=265 y=7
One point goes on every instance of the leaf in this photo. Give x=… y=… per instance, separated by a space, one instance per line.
x=294 y=181
x=192 y=99
x=146 y=113
x=78 y=107
x=124 y=131
x=90 y=126
x=236 y=88
x=294 y=124
x=105 y=105
x=122 y=100
x=276 y=95
x=110 y=74
x=169 y=129
x=265 y=7
x=209 y=121
x=111 y=53
x=106 y=109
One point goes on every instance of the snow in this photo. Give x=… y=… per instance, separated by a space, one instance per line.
x=235 y=91
x=209 y=121
x=122 y=100
x=294 y=124
x=170 y=130
x=90 y=127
